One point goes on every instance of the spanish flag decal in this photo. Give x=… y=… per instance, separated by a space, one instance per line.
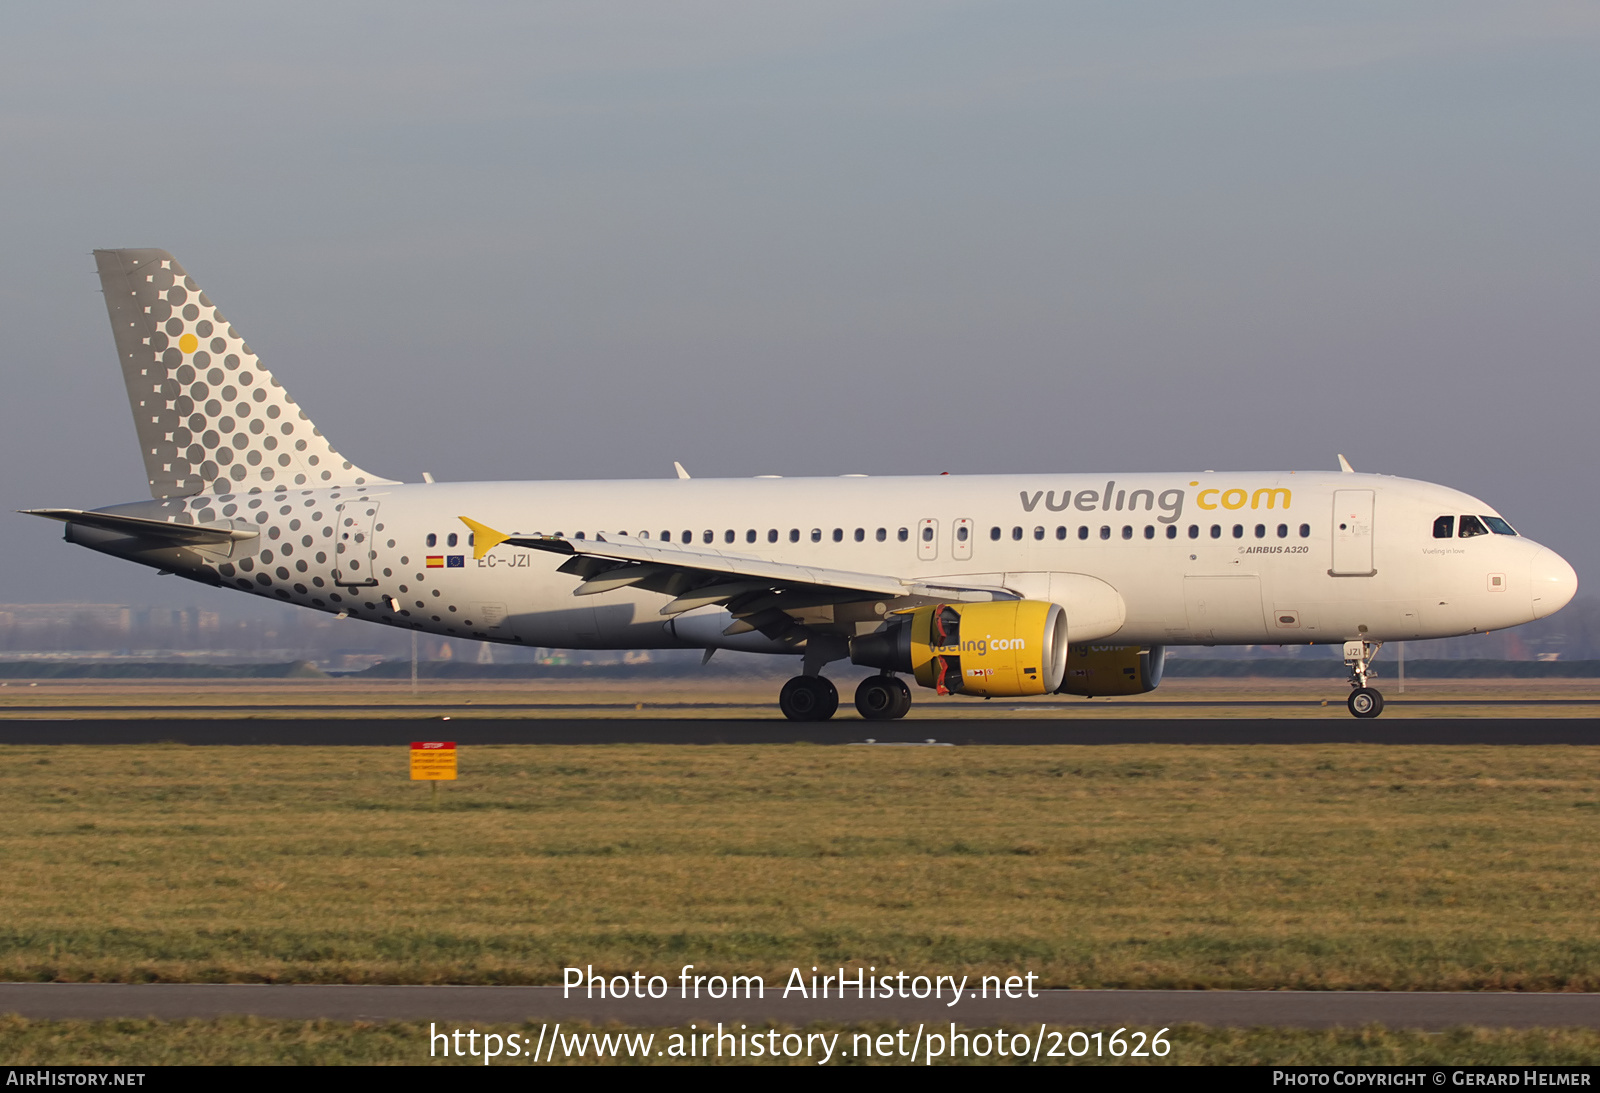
x=436 y=561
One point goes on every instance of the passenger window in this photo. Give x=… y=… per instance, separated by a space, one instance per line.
x=838 y=535
x=1216 y=531
x=1499 y=526
x=709 y=535
x=1283 y=531
x=433 y=540
x=772 y=535
x=1149 y=531
x=1305 y=531
x=1105 y=532
x=1261 y=531
x=994 y=533
x=472 y=539
x=927 y=535
x=1471 y=526
x=861 y=535
x=1444 y=527
x=727 y=536
x=1127 y=531
x=688 y=537
x=1194 y=531
x=1083 y=532
x=794 y=535
x=816 y=535
x=961 y=534
x=1061 y=532
x=1038 y=533
x=1238 y=531
x=750 y=536
x=666 y=536
x=883 y=535
x=1172 y=531
x=451 y=541
x=903 y=534
x=1016 y=534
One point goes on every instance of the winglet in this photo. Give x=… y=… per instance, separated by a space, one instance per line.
x=1344 y=465
x=679 y=467
x=484 y=537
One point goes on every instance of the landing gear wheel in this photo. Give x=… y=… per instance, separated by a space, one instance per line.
x=905 y=698
x=1365 y=702
x=808 y=698
x=882 y=698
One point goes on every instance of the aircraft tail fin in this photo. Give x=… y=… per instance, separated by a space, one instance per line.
x=210 y=417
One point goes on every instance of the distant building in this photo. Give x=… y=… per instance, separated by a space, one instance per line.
x=108 y=616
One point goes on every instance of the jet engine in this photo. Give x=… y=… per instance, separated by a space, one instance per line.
x=1099 y=670
x=998 y=649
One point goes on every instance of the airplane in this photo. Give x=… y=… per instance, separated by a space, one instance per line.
x=989 y=586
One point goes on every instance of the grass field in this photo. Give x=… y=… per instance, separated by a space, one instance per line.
x=735 y=697
x=1130 y=866
x=240 y=1041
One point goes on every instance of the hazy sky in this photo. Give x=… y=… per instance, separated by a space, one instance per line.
x=582 y=240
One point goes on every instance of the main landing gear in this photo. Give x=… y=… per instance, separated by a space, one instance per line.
x=808 y=698
x=1364 y=701
x=815 y=698
x=883 y=698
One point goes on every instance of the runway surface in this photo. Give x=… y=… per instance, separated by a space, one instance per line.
x=399 y=731
x=512 y=1005
x=129 y=709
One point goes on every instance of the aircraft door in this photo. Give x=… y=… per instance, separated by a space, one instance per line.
x=1352 y=534
x=961 y=540
x=355 y=551
x=927 y=540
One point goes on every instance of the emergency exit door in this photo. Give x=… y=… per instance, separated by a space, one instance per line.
x=961 y=533
x=1352 y=534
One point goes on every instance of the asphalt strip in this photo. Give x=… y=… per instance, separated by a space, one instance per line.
x=468 y=730
x=1082 y=1008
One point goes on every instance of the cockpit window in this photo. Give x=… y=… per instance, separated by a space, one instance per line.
x=1499 y=526
x=1444 y=527
x=1471 y=525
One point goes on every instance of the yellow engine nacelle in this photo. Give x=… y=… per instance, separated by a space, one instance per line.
x=999 y=649
x=1098 y=670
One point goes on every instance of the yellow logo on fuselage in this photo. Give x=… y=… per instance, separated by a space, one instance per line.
x=1170 y=502
x=1236 y=498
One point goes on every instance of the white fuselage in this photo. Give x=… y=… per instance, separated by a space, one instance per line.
x=1197 y=559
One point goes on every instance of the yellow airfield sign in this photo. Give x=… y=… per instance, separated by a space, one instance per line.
x=433 y=761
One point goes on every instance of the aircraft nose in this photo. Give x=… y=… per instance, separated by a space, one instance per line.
x=1553 y=581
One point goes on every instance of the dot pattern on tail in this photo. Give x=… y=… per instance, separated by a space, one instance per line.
x=211 y=418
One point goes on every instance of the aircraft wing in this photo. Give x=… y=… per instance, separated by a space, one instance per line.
x=757 y=592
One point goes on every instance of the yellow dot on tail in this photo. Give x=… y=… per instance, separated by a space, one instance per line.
x=188 y=343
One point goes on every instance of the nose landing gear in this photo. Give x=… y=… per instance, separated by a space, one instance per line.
x=1364 y=701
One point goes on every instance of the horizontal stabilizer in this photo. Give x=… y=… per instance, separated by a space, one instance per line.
x=195 y=535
